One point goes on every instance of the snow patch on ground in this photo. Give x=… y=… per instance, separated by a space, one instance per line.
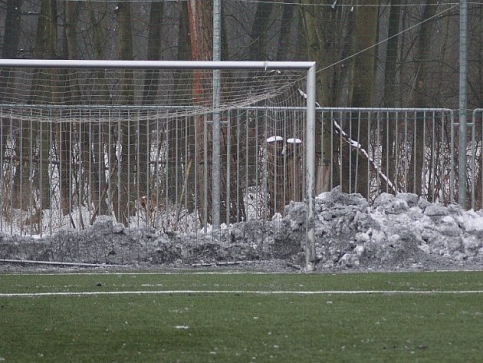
x=396 y=232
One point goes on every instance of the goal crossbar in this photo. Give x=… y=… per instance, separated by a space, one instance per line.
x=135 y=64
x=308 y=66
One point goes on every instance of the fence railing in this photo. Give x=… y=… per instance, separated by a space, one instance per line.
x=475 y=161
x=390 y=150
x=63 y=167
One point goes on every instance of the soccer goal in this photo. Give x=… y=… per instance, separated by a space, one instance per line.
x=184 y=146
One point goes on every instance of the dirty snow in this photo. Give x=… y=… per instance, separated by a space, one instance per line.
x=402 y=232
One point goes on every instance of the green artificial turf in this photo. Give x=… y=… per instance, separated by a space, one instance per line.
x=242 y=327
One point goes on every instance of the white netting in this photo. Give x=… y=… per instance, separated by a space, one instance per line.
x=179 y=92
x=137 y=145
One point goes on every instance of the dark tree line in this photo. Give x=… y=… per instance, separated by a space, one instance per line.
x=369 y=54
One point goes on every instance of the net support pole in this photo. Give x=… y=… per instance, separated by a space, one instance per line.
x=462 y=104
x=310 y=170
x=216 y=165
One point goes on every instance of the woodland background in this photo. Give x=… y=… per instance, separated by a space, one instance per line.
x=369 y=53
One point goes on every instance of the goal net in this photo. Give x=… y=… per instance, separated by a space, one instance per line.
x=138 y=142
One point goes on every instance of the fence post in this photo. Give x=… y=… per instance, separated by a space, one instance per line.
x=462 y=104
x=216 y=179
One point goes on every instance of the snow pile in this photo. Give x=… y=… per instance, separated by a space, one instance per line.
x=396 y=232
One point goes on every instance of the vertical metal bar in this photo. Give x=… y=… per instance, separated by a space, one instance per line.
x=22 y=167
x=131 y=177
x=88 y=167
x=177 y=163
x=368 y=181
x=358 y=139
x=442 y=164
x=481 y=164
x=50 y=145
x=216 y=190
x=148 y=175
x=303 y=153
x=138 y=163
x=103 y=156
x=2 y=168
x=264 y=186
x=247 y=161
x=188 y=160
x=228 y=168
x=238 y=157
x=424 y=170
x=433 y=158
x=340 y=150
x=120 y=162
x=157 y=172
x=166 y=155
x=396 y=151
x=70 y=166
x=205 y=173
x=388 y=148
x=473 y=161
x=12 y=175
x=32 y=170
x=452 y=166
x=196 y=165
x=310 y=243
x=406 y=151
x=462 y=103
x=415 y=145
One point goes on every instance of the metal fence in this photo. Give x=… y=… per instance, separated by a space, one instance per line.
x=63 y=167
x=370 y=151
x=475 y=161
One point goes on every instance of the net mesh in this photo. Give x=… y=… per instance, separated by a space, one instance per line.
x=192 y=89
x=137 y=145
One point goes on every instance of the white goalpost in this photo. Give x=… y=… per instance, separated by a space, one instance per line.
x=144 y=142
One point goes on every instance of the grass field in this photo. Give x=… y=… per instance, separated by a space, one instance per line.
x=226 y=317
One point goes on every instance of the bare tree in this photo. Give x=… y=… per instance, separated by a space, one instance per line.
x=286 y=30
x=201 y=34
x=258 y=34
x=150 y=90
x=11 y=39
x=98 y=137
x=390 y=88
x=421 y=94
x=35 y=137
x=361 y=91
x=325 y=30
x=123 y=191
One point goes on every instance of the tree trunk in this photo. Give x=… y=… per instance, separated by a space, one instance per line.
x=35 y=137
x=285 y=31
x=99 y=132
x=11 y=39
x=414 y=182
x=390 y=90
x=181 y=131
x=201 y=34
x=318 y=28
x=361 y=89
x=123 y=191
x=259 y=34
x=150 y=91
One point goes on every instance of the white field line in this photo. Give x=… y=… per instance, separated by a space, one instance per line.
x=245 y=292
x=187 y=272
